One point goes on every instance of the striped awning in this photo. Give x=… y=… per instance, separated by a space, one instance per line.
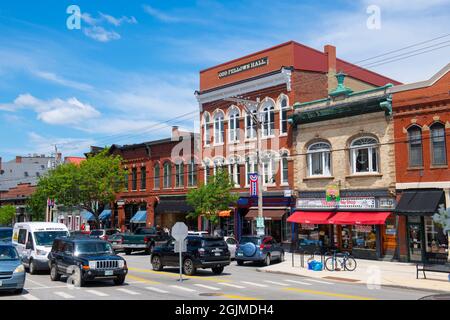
x=139 y=217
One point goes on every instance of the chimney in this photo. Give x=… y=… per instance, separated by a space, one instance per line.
x=330 y=52
x=175 y=133
x=18 y=159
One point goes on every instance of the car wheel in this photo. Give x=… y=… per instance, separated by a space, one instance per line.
x=119 y=280
x=128 y=251
x=188 y=267
x=32 y=267
x=54 y=275
x=217 y=270
x=240 y=262
x=77 y=278
x=267 y=260
x=156 y=263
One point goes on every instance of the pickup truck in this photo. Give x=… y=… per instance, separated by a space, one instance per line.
x=143 y=239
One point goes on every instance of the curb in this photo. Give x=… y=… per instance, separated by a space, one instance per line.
x=357 y=283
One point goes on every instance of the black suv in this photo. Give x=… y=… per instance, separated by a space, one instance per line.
x=202 y=252
x=84 y=259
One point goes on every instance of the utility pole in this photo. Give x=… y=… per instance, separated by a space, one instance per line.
x=260 y=227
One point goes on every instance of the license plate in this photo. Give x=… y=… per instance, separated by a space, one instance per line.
x=114 y=243
x=217 y=254
x=109 y=273
x=239 y=254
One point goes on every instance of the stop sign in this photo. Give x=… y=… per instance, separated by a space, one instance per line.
x=179 y=231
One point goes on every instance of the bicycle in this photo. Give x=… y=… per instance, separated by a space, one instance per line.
x=344 y=260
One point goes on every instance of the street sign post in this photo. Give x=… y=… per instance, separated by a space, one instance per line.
x=179 y=233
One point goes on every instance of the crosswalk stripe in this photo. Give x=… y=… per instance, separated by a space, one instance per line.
x=206 y=287
x=156 y=290
x=255 y=284
x=231 y=285
x=97 y=293
x=64 y=295
x=299 y=282
x=128 y=291
x=30 y=297
x=183 y=288
x=277 y=283
x=319 y=281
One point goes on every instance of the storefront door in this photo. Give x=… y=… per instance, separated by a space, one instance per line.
x=415 y=242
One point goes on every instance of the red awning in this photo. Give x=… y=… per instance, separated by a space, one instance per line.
x=309 y=217
x=359 y=218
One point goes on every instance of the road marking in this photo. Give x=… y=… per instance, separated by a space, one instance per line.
x=183 y=288
x=29 y=297
x=97 y=293
x=232 y=285
x=330 y=294
x=206 y=287
x=177 y=275
x=35 y=282
x=64 y=295
x=255 y=284
x=139 y=279
x=156 y=290
x=299 y=282
x=233 y=296
x=277 y=283
x=40 y=288
x=319 y=281
x=127 y=291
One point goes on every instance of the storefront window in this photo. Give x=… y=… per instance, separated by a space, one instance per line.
x=436 y=241
x=364 y=237
x=313 y=234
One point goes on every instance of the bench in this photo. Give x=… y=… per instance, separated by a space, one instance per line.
x=442 y=268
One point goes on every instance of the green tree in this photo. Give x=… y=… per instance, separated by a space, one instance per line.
x=211 y=198
x=7 y=213
x=36 y=205
x=89 y=186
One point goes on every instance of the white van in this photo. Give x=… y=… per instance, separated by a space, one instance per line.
x=34 y=240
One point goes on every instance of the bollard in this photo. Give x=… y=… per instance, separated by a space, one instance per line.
x=293 y=254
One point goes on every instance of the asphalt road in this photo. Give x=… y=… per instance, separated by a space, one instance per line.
x=241 y=283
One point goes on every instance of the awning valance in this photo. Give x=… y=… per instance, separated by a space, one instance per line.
x=359 y=218
x=88 y=216
x=420 y=202
x=105 y=215
x=139 y=217
x=310 y=217
x=274 y=214
x=173 y=205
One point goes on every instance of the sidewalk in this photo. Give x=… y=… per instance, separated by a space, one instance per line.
x=395 y=274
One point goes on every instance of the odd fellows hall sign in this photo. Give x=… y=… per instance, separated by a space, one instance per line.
x=244 y=67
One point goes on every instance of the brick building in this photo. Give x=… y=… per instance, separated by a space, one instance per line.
x=158 y=174
x=278 y=76
x=422 y=152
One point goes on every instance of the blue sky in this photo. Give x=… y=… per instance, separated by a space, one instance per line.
x=133 y=66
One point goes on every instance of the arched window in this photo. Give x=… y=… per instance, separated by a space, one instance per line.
x=179 y=174
x=284 y=115
x=218 y=164
x=218 y=127
x=269 y=166
x=167 y=175
x=438 y=146
x=234 y=171
x=206 y=132
x=415 y=146
x=156 y=176
x=206 y=168
x=250 y=125
x=125 y=178
x=192 y=174
x=268 y=116
x=233 y=125
x=284 y=168
x=364 y=155
x=250 y=167
x=319 y=159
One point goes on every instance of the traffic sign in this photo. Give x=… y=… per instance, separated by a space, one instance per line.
x=183 y=245
x=179 y=231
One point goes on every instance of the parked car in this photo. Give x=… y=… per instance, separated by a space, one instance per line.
x=86 y=260
x=12 y=272
x=263 y=249
x=143 y=239
x=202 y=252
x=79 y=233
x=34 y=240
x=6 y=234
x=103 y=234
x=231 y=243
x=116 y=241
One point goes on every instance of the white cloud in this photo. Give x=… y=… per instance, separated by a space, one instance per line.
x=45 y=145
x=57 y=111
x=160 y=15
x=118 y=21
x=101 y=34
x=52 y=77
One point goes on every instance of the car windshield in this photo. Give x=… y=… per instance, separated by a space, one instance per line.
x=96 y=232
x=93 y=248
x=253 y=240
x=45 y=238
x=213 y=243
x=8 y=253
x=5 y=234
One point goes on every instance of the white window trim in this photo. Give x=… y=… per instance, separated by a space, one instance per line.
x=267 y=109
x=283 y=97
x=282 y=182
x=253 y=125
x=323 y=152
x=370 y=150
x=206 y=130
x=233 y=117
x=221 y=129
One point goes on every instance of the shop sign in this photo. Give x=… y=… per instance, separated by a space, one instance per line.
x=387 y=203
x=120 y=202
x=363 y=228
x=344 y=203
x=332 y=193
x=307 y=226
x=390 y=230
x=243 y=67
x=259 y=222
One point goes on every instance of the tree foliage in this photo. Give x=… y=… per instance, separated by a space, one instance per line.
x=7 y=213
x=211 y=198
x=90 y=185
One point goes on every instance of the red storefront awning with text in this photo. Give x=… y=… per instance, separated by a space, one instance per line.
x=359 y=218
x=310 y=217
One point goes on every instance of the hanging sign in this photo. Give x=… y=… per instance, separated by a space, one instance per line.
x=332 y=193
x=253 y=178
